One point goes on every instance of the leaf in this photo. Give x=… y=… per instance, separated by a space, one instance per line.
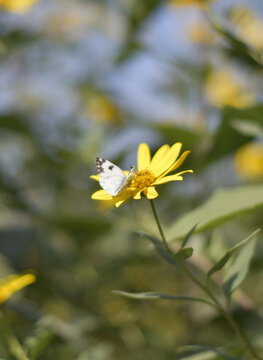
x=239 y=269
x=173 y=259
x=248 y=127
x=206 y=352
x=203 y=355
x=159 y=246
x=227 y=137
x=183 y=254
x=224 y=205
x=38 y=343
x=156 y=296
x=188 y=235
x=224 y=259
x=236 y=47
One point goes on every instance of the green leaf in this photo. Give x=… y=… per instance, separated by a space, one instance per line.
x=236 y=47
x=188 y=235
x=224 y=259
x=239 y=269
x=156 y=296
x=203 y=355
x=248 y=127
x=228 y=138
x=183 y=254
x=159 y=246
x=224 y=205
x=174 y=258
x=239 y=50
x=205 y=352
x=38 y=343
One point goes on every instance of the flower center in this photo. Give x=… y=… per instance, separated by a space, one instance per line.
x=142 y=179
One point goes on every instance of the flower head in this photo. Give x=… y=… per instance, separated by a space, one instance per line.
x=249 y=161
x=185 y=3
x=17 y=6
x=249 y=26
x=222 y=89
x=14 y=283
x=150 y=173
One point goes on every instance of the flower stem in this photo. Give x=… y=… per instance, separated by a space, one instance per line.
x=159 y=226
x=16 y=349
x=223 y=312
x=227 y=315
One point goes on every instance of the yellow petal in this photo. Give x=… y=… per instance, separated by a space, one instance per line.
x=166 y=161
x=13 y=284
x=159 y=155
x=137 y=196
x=175 y=177
x=95 y=177
x=118 y=203
x=116 y=200
x=143 y=157
x=124 y=195
x=180 y=161
x=150 y=192
x=101 y=195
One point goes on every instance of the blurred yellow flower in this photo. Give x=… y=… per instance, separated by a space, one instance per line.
x=199 y=33
x=102 y=109
x=249 y=161
x=196 y=3
x=14 y=283
x=17 y=5
x=69 y=23
x=249 y=26
x=221 y=89
x=151 y=172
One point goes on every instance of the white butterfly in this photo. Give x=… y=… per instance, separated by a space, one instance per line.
x=112 y=178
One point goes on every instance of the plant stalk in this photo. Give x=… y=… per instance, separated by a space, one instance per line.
x=16 y=349
x=159 y=226
x=227 y=315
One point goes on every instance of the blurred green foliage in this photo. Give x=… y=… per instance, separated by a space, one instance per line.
x=60 y=107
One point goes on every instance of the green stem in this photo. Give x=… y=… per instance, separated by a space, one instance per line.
x=16 y=349
x=223 y=312
x=159 y=226
x=206 y=290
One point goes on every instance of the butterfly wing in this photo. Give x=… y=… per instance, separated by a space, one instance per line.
x=112 y=178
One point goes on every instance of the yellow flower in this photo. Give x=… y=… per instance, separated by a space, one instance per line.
x=196 y=3
x=249 y=26
x=102 y=109
x=14 y=283
x=249 y=161
x=200 y=33
x=151 y=172
x=221 y=89
x=17 y=5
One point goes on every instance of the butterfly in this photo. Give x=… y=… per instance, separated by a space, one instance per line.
x=112 y=178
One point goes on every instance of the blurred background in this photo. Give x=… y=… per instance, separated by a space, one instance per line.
x=83 y=78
